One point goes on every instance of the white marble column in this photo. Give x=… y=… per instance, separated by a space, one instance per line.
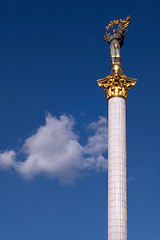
x=117 y=170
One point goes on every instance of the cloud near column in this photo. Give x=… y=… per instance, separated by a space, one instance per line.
x=55 y=151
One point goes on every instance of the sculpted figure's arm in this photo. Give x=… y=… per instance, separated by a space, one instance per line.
x=107 y=38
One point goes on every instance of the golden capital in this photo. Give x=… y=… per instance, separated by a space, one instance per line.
x=116 y=85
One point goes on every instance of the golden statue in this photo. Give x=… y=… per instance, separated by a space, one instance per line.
x=116 y=84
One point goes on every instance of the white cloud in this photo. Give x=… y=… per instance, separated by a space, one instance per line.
x=7 y=159
x=131 y=179
x=54 y=150
x=97 y=143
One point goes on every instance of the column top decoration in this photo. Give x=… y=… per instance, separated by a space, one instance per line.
x=116 y=84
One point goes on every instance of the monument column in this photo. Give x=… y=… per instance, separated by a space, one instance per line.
x=116 y=87
x=117 y=171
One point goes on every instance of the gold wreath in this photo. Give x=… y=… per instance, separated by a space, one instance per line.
x=125 y=22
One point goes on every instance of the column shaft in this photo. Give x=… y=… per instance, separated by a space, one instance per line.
x=117 y=170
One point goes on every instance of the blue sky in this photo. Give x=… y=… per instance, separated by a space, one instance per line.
x=51 y=54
